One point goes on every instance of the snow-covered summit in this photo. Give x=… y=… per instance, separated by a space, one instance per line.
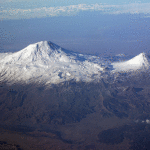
x=46 y=62
x=38 y=52
x=140 y=61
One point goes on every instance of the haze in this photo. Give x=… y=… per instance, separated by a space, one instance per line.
x=82 y=26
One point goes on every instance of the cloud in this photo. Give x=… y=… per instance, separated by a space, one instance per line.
x=133 y=8
x=12 y=1
x=147 y=121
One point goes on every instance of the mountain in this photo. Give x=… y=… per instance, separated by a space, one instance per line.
x=47 y=63
x=73 y=115
x=140 y=61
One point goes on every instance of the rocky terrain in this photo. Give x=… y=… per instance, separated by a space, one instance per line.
x=51 y=98
x=79 y=112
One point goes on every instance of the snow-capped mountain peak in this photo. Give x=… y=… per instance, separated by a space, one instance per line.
x=33 y=52
x=46 y=62
x=140 y=61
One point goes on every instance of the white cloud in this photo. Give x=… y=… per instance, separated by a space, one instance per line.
x=134 y=8
x=147 y=121
x=143 y=121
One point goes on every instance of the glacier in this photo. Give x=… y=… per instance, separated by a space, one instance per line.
x=47 y=63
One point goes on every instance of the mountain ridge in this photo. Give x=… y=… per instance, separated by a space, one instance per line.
x=48 y=63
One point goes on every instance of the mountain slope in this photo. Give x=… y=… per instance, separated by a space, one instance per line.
x=138 y=62
x=47 y=63
x=87 y=110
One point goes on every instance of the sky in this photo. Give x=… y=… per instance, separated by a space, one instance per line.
x=99 y=27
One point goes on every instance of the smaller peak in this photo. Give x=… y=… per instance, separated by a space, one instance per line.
x=141 y=61
x=141 y=57
x=142 y=54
